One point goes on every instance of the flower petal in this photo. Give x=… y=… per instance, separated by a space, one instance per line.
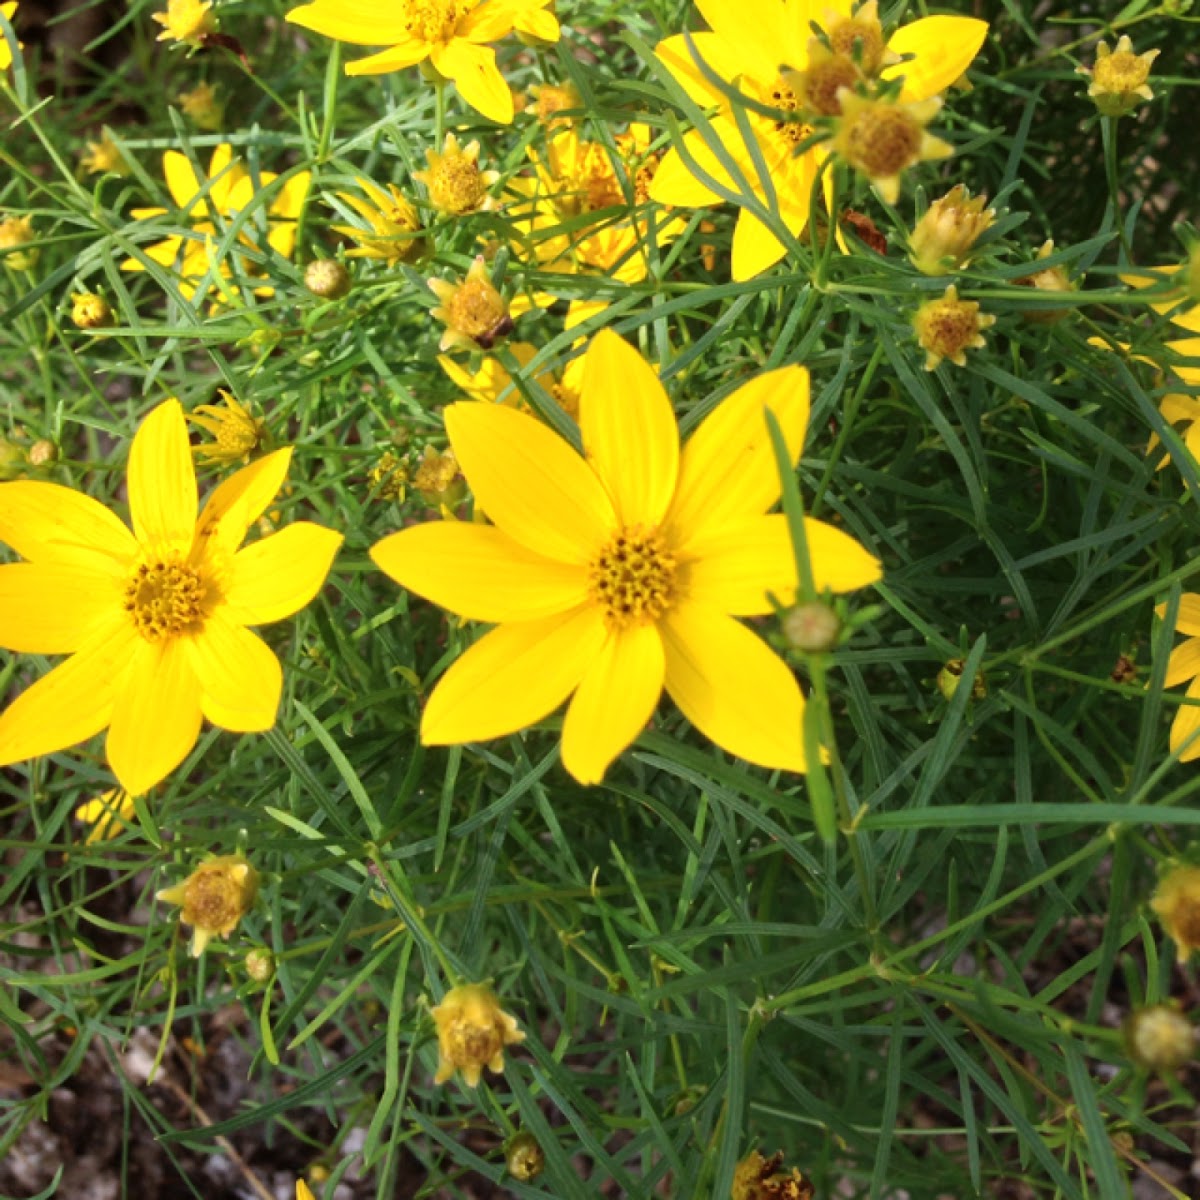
x=614 y=700
x=530 y=482
x=277 y=576
x=240 y=678
x=1184 y=662
x=360 y=22
x=182 y=180
x=162 y=479
x=72 y=702
x=479 y=572
x=478 y=79
x=1186 y=724
x=1188 y=620
x=674 y=184
x=155 y=715
x=733 y=687
x=716 y=55
x=45 y=522
x=50 y=608
x=629 y=432
x=755 y=247
x=237 y=502
x=727 y=471
x=737 y=565
x=756 y=35
x=406 y=53
x=512 y=677
x=944 y=47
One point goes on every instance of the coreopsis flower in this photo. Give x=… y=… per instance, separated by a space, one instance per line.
x=524 y=1158
x=1047 y=279
x=773 y=59
x=1179 y=409
x=201 y=106
x=107 y=814
x=214 y=898
x=759 y=1178
x=394 y=232
x=438 y=478
x=154 y=620
x=449 y=33
x=236 y=433
x=16 y=232
x=943 y=239
x=1183 y=666
x=8 y=9
x=472 y=1031
x=948 y=327
x=490 y=382
x=103 y=157
x=1177 y=295
x=882 y=138
x=90 y=311
x=616 y=573
x=454 y=182
x=1176 y=899
x=473 y=311
x=549 y=101
x=1118 y=77
x=1159 y=1037
x=188 y=22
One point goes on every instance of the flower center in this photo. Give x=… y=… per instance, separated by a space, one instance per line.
x=783 y=96
x=432 y=20
x=1121 y=71
x=456 y=185
x=479 y=311
x=213 y=899
x=165 y=598
x=858 y=39
x=633 y=577
x=883 y=141
x=822 y=81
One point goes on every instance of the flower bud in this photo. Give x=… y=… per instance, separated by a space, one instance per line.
x=523 y=1157
x=1047 y=279
x=1159 y=1037
x=812 y=628
x=15 y=232
x=13 y=460
x=42 y=452
x=327 y=278
x=260 y=964
x=90 y=311
x=944 y=236
x=950 y=676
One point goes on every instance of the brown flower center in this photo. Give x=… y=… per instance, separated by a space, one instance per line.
x=633 y=577
x=166 y=597
x=822 y=81
x=456 y=185
x=861 y=40
x=213 y=900
x=478 y=311
x=883 y=141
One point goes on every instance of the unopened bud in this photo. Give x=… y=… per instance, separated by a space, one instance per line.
x=812 y=628
x=90 y=311
x=42 y=451
x=260 y=964
x=950 y=676
x=524 y=1157
x=1159 y=1037
x=327 y=278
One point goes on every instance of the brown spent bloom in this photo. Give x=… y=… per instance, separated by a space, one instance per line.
x=1159 y=1037
x=455 y=184
x=236 y=434
x=474 y=313
x=948 y=327
x=1047 y=279
x=945 y=235
x=1176 y=901
x=388 y=478
x=90 y=311
x=1119 y=78
x=472 y=1032
x=214 y=897
x=759 y=1178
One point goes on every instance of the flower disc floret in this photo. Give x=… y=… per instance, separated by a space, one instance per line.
x=859 y=38
x=633 y=578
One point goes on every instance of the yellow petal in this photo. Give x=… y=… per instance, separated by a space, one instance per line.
x=727 y=471
x=735 y=690
x=756 y=35
x=239 y=676
x=479 y=572
x=359 y=22
x=45 y=522
x=1188 y=620
x=237 y=502
x=1188 y=348
x=944 y=48
x=681 y=60
x=406 y=53
x=72 y=702
x=50 y=608
x=182 y=181
x=277 y=576
x=629 y=432
x=755 y=247
x=675 y=183
x=162 y=479
x=614 y=700
x=488 y=22
x=1187 y=722
x=512 y=677
x=1184 y=662
x=530 y=482
x=155 y=715
x=478 y=79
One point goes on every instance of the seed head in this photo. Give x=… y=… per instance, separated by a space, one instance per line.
x=1118 y=78
x=882 y=138
x=812 y=628
x=260 y=964
x=214 y=897
x=944 y=237
x=1159 y=1037
x=759 y=1178
x=472 y=1032
x=949 y=327
x=524 y=1157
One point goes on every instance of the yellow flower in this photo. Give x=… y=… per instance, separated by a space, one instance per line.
x=154 y=620
x=1179 y=409
x=303 y=1191
x=90 y=311
x=1176 y=900
x=395 y=229
x=1119 y=77
x=103 y=156
x=1174 y=297
x=449 y=33
x=8 y=9
x=880 y=139
x=203 y=107
x=214 y=897
x=492 y=383
x=550 y=100
x=454 y=181
x=1182 y=666
x=186 y=21
x=766 y=48
x=237 y=435
x=16 y=232
x=472 y=1032
x=474 y=313
x=946 y=234
x=759 y=1178
x=108 y=814
x=614 y=574
x=1047 y=279
x=948 y=327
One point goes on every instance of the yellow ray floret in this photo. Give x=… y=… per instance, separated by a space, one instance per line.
x=154 y=619
x=623 y=571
